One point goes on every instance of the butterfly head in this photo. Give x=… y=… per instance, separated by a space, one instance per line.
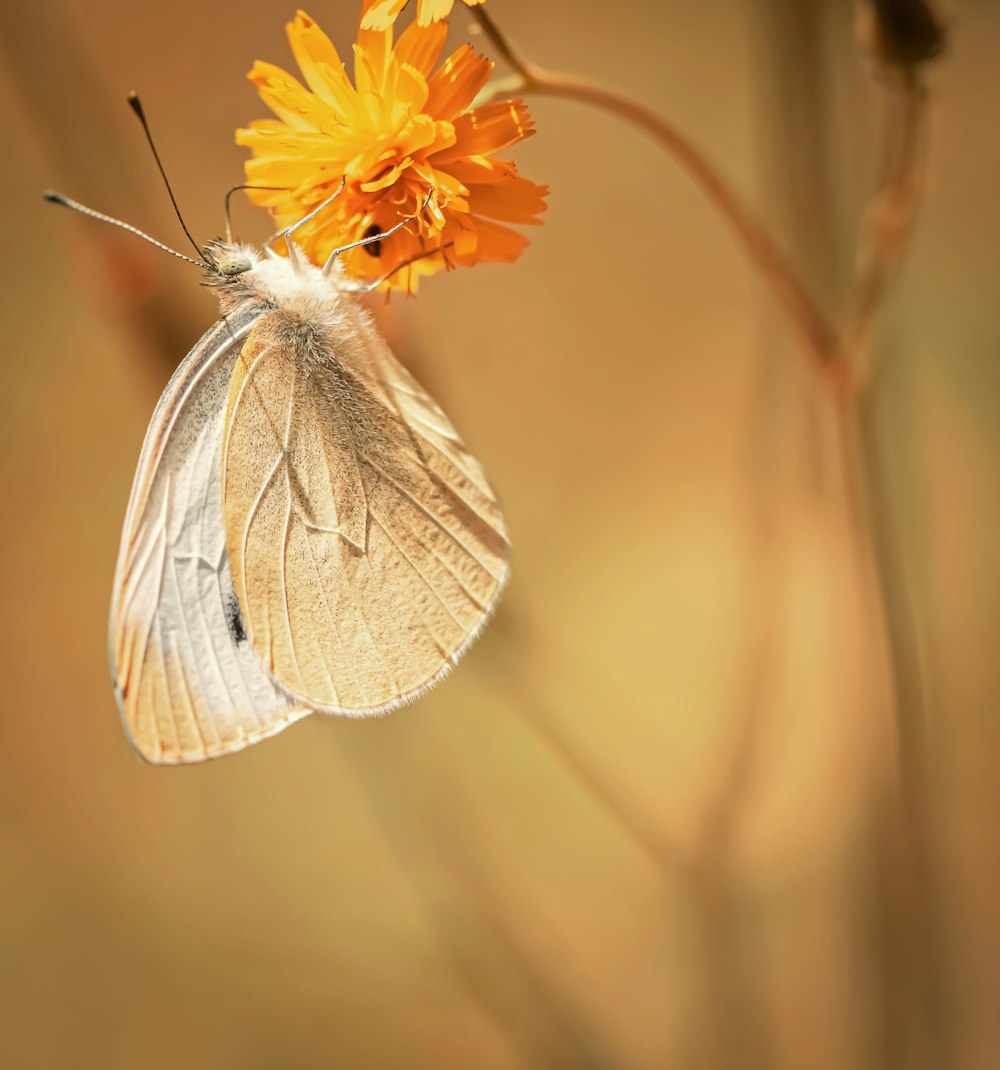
x=234 y=260
x=242 y=277
x=229 y=260
x=231 y=273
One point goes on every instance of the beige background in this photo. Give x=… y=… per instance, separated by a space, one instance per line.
x=645 y=822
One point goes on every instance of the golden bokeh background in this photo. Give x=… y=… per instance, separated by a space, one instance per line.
x=653 y=819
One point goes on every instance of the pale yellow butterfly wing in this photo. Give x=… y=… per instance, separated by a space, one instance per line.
x=188 y=686
x=366 y=545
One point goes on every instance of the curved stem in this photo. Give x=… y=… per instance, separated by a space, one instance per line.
x=817 y=334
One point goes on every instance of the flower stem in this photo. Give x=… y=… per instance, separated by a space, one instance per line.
x=817 y=334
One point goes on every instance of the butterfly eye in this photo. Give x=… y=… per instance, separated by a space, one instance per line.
x=234 y=263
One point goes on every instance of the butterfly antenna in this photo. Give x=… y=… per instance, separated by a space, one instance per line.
x=66 y=202
x=229 y=196
x=136 y=106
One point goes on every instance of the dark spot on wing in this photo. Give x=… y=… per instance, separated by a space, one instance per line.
x=375 y=248
x=234 y=618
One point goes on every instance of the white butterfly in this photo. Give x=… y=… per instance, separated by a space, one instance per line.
x=306 y=530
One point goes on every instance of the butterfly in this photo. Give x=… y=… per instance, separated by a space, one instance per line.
x=306 y=531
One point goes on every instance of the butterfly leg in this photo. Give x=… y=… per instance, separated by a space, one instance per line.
x=288 y=231
x=380 y=237
x=371 y=287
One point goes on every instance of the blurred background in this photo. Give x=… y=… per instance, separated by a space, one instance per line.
x=653 y=819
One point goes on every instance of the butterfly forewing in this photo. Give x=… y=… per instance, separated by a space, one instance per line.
x=188 y=682
x=366 y=545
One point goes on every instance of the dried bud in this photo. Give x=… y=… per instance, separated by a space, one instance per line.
x=901 y=32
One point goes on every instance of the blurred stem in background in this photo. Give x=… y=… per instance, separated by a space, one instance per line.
x=34 y=41
x=503 y=967
x=901 y=36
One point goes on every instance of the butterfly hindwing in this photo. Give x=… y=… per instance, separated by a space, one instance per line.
x=188 y=682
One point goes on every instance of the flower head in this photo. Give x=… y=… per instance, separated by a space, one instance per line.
x=380 y=14
x=402 y=142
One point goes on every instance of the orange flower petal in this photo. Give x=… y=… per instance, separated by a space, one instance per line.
x=497 y=243
x=421 y=46
x=376 y=48
x=421 y=134
x=489 y=129
x=429 y=11
x=432 y=10
x=318 y=60
x=411 y=88
x=380 y=14
x=288 y=98
x=451 y=193
x=515 y=201
x=481 y=170
x=386 y=179
x=265 y=74
x=455 y=84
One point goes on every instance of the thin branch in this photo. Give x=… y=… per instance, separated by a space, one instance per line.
x=889 y=221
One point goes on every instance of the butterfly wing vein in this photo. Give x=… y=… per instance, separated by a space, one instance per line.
x=367 y=547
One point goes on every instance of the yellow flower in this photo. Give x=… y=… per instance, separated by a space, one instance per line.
x=380 y=14
x=395 y=137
